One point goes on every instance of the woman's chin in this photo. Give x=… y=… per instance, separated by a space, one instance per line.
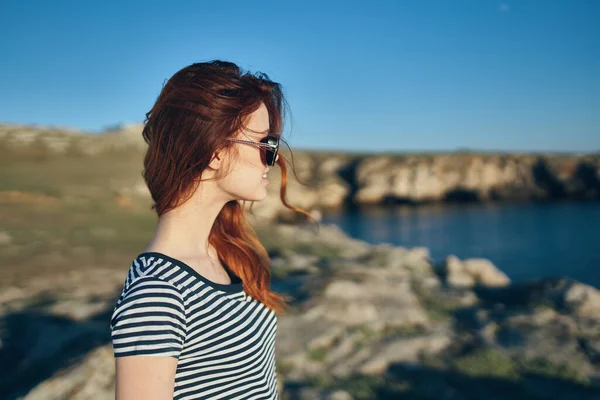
x=258 y=197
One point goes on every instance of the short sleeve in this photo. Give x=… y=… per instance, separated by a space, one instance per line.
x=149 y=319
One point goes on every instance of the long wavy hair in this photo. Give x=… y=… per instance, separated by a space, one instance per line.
x=197 y=109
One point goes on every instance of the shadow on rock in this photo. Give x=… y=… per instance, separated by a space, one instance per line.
x=546 y=291
x=431 y=383
x=409 y=381
x=547 y=180
x=587 y=175
x=36 y=345
x=461 y=196
x=348 y=175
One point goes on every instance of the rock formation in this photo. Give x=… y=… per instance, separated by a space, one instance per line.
x=368 y=321
x=333 y=180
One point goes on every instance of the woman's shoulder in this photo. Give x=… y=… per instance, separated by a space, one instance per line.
x=146 y=268
x=147 y=286
x=178 y=271
x=149 y=317
x=144 y=286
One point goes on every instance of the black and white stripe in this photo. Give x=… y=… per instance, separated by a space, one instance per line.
x=223 y=339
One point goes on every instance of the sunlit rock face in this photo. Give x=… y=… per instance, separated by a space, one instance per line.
x=368 y=313
x=331 y=180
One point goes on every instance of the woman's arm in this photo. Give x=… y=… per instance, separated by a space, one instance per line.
x=143 y=377
x=148 y=329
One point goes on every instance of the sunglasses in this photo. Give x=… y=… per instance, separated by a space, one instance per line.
x=269 y=143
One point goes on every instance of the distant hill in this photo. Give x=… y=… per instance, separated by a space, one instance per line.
x=330 y=179
x=60 y=140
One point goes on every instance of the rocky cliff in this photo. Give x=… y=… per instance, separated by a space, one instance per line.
x=333 y=180
x=368 y=322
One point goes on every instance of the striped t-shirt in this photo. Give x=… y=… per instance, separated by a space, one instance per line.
x=223 y=339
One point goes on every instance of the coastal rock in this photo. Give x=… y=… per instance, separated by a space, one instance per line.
x=333 y=180
x=294 y=263
x=356 y=306
x=583 y=300
x=331 y=193
x=416 y=259
x=328 y=236
x=370 y=297
x=455 y=273
x=536 y=334
x=468 y=273
x=406 y=350
x=485 y=273
x=91 y=378
x=372 y=184
x=369 y=315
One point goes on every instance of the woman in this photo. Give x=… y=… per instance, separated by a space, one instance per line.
x=196 y=318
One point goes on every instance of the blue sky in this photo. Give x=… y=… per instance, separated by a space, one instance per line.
x=379 y=75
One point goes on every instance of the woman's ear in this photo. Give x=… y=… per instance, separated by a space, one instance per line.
x=220 y=159
x=216 y=160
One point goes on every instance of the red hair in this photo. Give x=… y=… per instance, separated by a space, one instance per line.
x=197 y=109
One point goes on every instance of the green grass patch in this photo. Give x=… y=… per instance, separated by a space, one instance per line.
x=317 y=354
x=494 y=363
x=540 y=366
x=283 y=368
x=487 y=362
x=366 y=331
x=360 y=387
x=59 y=175
x=438 y=309
x=63 y=236
x=364 y=335
x=321 y=381
x=406 y=330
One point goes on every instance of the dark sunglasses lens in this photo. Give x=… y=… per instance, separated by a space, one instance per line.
x=270 y=154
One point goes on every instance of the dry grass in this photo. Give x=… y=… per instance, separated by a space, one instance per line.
x=63 y=212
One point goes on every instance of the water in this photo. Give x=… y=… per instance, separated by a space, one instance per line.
x=524 y=240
